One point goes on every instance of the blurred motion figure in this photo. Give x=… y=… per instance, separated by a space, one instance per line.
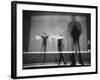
x=75 y=33
x=44 y=38
x=60 y=47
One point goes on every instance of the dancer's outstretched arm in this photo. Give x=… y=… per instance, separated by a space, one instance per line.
x=37 y=37
x=57 y=37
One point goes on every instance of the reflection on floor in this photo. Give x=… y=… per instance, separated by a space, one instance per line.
x=44 y=65
x=51 y=60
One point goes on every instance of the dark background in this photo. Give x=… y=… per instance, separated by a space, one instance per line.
x=37 y=22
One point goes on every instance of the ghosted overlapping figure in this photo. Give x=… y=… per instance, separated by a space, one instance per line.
x=44 y=38
x=44 y=42
x=60 y=48
x=75 y=33
x=59 y=38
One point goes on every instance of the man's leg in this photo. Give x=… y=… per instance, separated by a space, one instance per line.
x=79 y=55
x=76 y=52
x=72 y=57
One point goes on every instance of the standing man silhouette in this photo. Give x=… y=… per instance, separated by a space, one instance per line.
x=75 y=33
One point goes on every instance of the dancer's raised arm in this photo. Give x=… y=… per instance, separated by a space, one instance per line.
x=37 y=37
x=56 y=37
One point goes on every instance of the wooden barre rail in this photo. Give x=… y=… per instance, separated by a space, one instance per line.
x=52 y=52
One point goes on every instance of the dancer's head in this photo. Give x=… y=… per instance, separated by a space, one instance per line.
x=44 y=33
x=61 y=33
